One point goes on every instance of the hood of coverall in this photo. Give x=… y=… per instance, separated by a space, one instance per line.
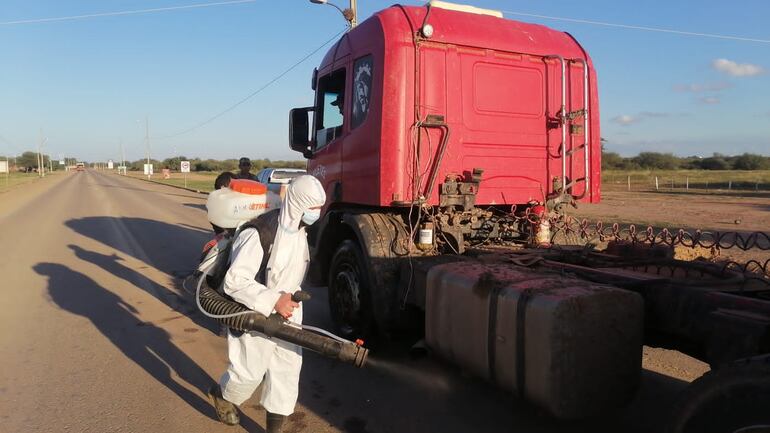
x=302 y=193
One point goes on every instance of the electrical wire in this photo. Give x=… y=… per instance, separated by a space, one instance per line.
x=626 y=26
x=120 y=13
x=252 y=94
x=643 y=28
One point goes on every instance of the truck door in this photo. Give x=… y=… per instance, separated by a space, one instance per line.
x=328 y=132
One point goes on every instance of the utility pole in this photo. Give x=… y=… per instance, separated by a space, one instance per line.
x=354 y=15
x=147 y=142
x=40 y=167
x=122 y=156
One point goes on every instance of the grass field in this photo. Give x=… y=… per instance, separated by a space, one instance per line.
x=15 y=179
x=200 y=181
x=612 y=180
x=678 y=180
x=696 y=181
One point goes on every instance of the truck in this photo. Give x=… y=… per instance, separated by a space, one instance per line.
x=452 y=144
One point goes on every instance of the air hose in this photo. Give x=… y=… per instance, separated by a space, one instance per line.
x=238 y=317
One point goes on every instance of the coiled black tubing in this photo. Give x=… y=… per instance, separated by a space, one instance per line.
x=246 y=320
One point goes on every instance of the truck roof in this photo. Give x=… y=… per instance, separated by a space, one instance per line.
x=465 y=27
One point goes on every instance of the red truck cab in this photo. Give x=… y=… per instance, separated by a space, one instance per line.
x=414 y=94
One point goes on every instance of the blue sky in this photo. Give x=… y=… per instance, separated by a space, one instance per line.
x=89 y=83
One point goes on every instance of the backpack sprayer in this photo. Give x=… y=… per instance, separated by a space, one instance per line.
x=252 y=199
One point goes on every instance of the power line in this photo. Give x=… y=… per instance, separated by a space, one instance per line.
x=254 y=93
x=628 y=26
x=129 y=12
x=643 y=28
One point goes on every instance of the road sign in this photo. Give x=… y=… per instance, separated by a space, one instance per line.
x=61 y=162
x=110 y=165
x=3 y=166
x=185 y=166
x=148 y=169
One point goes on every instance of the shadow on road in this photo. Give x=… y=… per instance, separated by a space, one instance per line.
x=153 y=191
x=170 y=248
x=174 y=301
x=148 y=346
x=196 y=206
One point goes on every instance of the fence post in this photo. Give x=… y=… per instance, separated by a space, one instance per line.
x=672 y=183
x=629 y=183
x=730 y=185
x=656 y=183
x=687 y=183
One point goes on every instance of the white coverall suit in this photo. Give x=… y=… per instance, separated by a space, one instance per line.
x=253 y=356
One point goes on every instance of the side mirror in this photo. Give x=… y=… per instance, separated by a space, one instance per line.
x=299 y=130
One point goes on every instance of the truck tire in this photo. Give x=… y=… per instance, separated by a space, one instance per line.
x=350 y=292
x=732 y=399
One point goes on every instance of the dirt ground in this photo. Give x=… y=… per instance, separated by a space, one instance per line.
x=714 y=212
x=741 y=213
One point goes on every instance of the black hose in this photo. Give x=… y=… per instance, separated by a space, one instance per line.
x=274 y=326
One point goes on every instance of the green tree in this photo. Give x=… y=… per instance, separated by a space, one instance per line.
x=27 y=159
x=174 y=162
x=750 y=161
x=655 y=160
x=714 y=163
x=611 y=160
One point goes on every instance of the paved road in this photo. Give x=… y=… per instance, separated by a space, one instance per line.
x=96 y=334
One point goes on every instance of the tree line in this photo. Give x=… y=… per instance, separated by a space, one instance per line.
x=198 y=164
x=29 y=160
x=669 y=161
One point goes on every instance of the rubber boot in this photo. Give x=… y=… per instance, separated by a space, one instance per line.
x=226 y=411
x=275 y=422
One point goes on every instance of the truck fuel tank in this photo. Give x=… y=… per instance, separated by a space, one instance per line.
x=570 y=346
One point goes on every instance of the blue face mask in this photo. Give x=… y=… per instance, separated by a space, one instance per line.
x=310 y=216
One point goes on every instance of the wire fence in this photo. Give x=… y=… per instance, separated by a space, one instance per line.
x=683 y=183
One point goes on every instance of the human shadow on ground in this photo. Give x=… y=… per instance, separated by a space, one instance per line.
x=170 y=248
x=150 y=347
x=153 y=191
x=179 y=303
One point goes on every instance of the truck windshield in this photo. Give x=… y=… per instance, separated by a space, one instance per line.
x=280 y=176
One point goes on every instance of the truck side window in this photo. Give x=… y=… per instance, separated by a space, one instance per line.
x=362 y=90
x=331 y=100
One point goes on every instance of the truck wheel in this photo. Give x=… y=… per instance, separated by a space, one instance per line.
x=350 y=292
x=733 y=399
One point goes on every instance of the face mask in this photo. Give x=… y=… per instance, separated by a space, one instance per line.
x=310 y=216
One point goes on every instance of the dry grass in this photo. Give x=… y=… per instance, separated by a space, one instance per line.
x=683 y=180
x=14 y=179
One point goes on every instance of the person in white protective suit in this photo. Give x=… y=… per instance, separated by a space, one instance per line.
x=253 y=356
